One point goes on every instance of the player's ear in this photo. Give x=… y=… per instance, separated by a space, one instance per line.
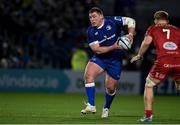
x=155 y=21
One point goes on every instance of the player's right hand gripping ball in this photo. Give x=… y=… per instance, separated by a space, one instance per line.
x=124 y=42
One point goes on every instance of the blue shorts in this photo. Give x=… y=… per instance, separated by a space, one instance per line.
x=111 y=66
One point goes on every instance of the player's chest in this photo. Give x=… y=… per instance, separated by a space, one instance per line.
x=106 y=32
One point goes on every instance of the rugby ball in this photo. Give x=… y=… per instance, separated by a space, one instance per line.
x=124 y=42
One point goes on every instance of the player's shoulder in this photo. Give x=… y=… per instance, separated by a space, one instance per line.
x=159 y=26
x=151 y=28
x=108 y=19
x=113 y=18
x=91 y=30
x=156 y=27
x=173 y=27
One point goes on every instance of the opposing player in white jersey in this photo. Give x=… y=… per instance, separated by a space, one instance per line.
x=102 y=39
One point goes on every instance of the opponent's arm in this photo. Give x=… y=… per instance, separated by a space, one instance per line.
x=144 y=47
x=103 y=49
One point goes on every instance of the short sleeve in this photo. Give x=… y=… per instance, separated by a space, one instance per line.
x=118 y=20
x=149 y=31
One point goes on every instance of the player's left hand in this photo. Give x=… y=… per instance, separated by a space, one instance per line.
x=135 y=58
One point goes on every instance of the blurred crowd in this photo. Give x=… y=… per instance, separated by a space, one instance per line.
x=45 y=33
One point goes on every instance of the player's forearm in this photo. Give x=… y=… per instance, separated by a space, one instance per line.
x=100 y=50
x=144 y=47
x=131 y=31
x=131 y=23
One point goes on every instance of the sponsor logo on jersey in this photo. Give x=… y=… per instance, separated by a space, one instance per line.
x=169 y=46
x=171 y=66
x=107 y=38
x=108 y=27
x=117 y=18
x=96 y=33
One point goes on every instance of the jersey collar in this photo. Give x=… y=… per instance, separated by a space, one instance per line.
x=101 y=25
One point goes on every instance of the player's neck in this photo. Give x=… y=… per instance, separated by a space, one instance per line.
x=101 y=24
x=162 y=23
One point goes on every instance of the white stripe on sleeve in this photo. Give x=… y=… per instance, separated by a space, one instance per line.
x=92 y=43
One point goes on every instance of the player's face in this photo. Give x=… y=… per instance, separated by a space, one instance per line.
x=95 y=19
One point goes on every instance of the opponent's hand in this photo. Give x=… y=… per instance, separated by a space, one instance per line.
x=135 y=58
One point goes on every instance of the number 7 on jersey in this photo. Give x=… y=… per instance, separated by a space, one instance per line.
x=167 y=33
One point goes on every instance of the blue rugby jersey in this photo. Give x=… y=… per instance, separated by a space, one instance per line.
x=107 y=35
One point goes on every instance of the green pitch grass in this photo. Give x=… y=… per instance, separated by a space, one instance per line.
x=46 y=108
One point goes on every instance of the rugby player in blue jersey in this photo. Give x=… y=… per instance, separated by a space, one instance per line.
x=102 y=38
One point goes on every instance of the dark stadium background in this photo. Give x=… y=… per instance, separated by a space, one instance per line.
x=37 y=41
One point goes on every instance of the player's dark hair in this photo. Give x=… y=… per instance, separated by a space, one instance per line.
x=161 y=15
x=97 y=10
